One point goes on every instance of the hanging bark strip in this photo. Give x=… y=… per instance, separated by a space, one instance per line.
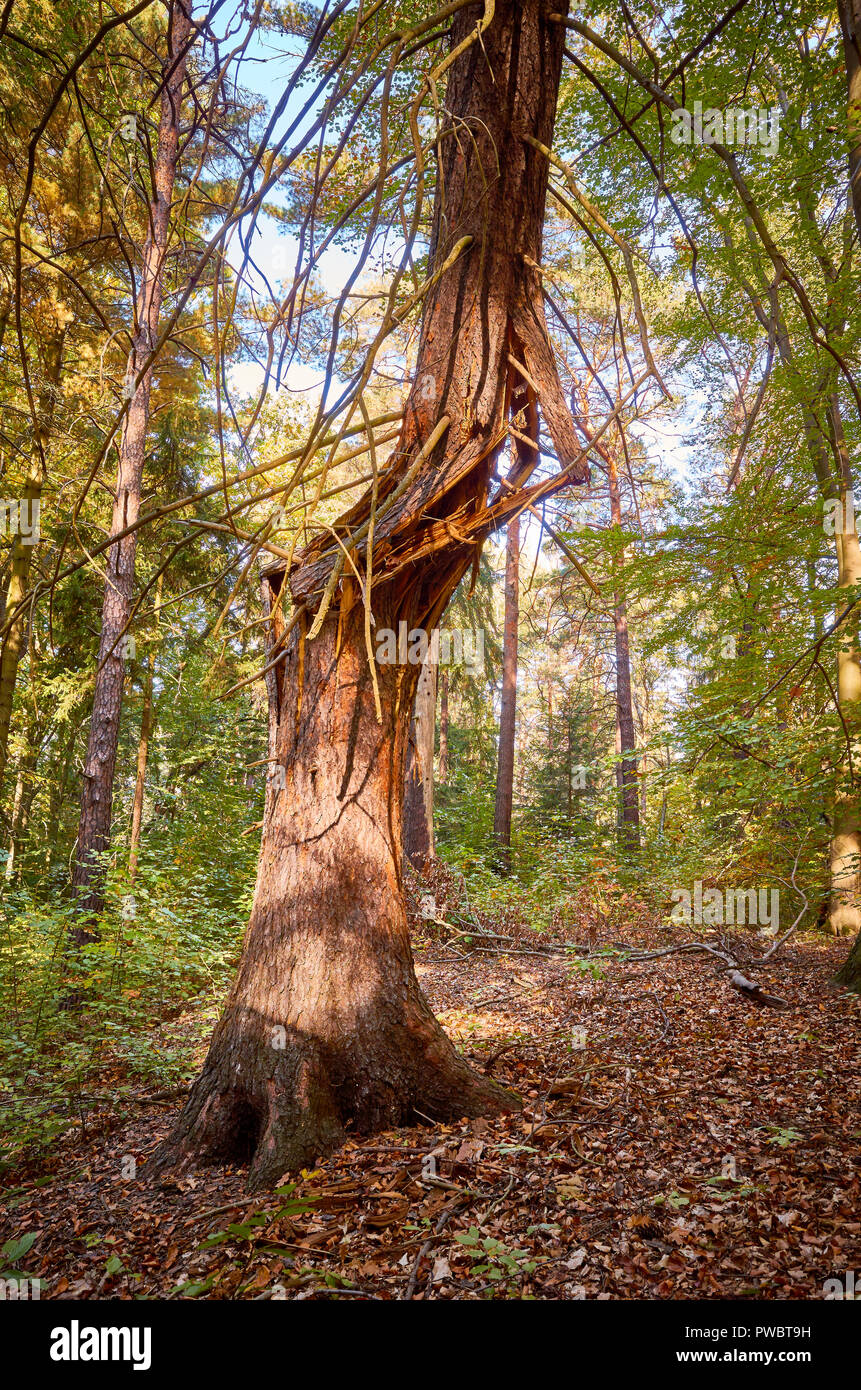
x=325 y=1026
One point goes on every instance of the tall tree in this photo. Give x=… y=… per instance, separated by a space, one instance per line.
x=98 y=775
x=326 y=1025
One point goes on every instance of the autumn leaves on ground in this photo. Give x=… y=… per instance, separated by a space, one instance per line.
x=339 y=342
x=675 y=1142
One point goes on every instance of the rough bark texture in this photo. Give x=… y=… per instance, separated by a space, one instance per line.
x=326 y=1025
x=418 y=789
x=98 y=780
x=325 y=1029
x=508 y=704
x=849 y=974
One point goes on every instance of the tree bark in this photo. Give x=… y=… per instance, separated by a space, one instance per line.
x=98 y=780
x=508 y=704
x=326 y=1027
x=418 y=793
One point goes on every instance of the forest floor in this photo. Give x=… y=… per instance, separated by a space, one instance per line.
x=675 y=1142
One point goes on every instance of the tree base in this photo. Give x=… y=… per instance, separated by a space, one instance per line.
x=849 y=974
x=306 y=1099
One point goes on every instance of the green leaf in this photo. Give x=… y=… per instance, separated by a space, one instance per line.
x=14 y=1249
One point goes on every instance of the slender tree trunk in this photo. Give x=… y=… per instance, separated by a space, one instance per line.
x=508 y=704
x=22 y=544
x=25 y=791
x=850 y=23
x=418 y=794
x=98 y=782
x=59 y=784
x=325 y=1026
x=147 y=723
x=626 y=739
x=569 y=772
x=845 y=907
x=442 y=763
x=140 y=781
x=836 y=485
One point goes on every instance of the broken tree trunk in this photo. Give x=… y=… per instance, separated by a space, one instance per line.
x=326 y=1028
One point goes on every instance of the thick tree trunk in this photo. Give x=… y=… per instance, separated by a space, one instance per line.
x=325 y=1028
x=508 y=703
x=22 y=544
x=418 y=791
x=326 y=1025
x=849 y=974
x=98 y=782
